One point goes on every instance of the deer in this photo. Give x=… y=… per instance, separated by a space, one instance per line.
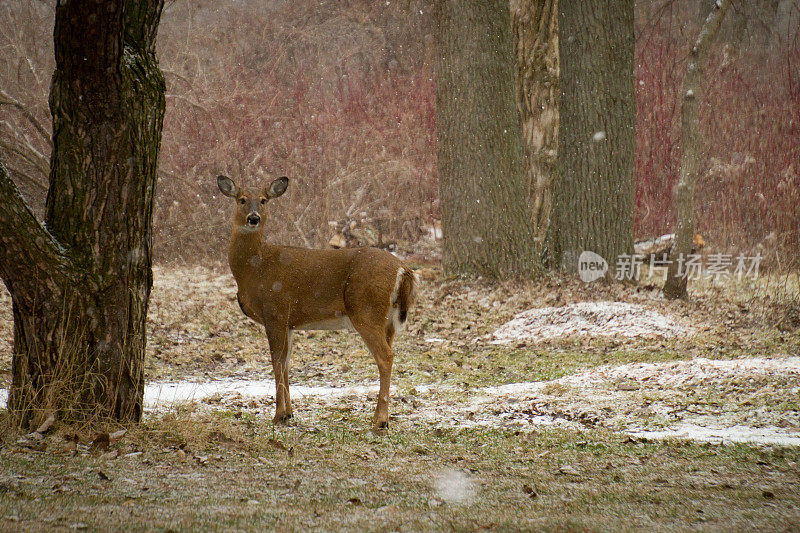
x=288 y=289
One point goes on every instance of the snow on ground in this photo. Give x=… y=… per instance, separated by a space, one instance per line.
x=594 y=319
x=740 y=400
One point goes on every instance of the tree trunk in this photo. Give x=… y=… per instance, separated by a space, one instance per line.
x=485 y=215
x=594 y=194
x=80 y=284
x=535 y=27
x=675 y=285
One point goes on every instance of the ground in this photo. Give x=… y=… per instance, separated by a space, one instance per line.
x=489 y=430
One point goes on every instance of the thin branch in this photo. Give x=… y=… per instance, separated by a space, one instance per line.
x=22 y=176
x=6 y=99
x=32 y=156
x=32 y=160
x=196 y=106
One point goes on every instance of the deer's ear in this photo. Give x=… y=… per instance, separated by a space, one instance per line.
x=226 y=186
x=277 y=187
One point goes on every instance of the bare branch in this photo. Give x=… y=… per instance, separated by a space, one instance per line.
x=25 y=150
x=196 y=106
x=7 y=99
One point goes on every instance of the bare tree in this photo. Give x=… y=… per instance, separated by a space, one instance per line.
x=80 y=282
x=675 y=285
x=485 y=215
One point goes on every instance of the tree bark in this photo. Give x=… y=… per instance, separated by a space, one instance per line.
x=534 y=24
x=485 y=215
x=594 y=195
x=80 y=284
x=676 y=283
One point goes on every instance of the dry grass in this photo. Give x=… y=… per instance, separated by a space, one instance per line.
x=256 y=478
x=327 y=471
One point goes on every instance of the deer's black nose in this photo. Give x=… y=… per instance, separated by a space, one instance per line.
x=253 y=219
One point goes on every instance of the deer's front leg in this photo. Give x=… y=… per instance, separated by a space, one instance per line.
x=278 y=336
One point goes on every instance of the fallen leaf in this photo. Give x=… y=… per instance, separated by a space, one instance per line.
x=117 y=434
x=276 y=444
x=47 y=424
x=100 y=442
x=113 y=454
x=421 y=450
x=527 y=489
x=568 y=470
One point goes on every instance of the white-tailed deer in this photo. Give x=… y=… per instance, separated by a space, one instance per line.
x=285 y=288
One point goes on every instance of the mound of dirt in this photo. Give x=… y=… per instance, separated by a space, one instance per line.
x=593 y=319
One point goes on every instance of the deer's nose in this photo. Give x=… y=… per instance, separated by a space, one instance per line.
x=253 y=219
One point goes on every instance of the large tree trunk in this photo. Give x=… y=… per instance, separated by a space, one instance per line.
x=675 y=285
x=594 y=194
x=485 y=216
x=535 y=27
x=80 y=284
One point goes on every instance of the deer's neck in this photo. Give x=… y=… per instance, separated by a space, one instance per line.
x=245 y=253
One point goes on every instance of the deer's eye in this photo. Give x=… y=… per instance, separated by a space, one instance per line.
x=242 y=201
x=263 y=201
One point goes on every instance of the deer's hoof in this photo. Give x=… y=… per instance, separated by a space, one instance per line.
x=381 y=427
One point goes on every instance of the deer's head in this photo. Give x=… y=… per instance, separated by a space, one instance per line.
x=251 y=204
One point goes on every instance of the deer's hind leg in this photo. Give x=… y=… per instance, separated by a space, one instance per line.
x=376 y=339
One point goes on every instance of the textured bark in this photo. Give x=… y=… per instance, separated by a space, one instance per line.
x=594 y=194
x=485 y=215
x=675 y=285
x=80 y=287
x=534 y=24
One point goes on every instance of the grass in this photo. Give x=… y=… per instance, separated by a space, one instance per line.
x=340 y=477
x=222 y=465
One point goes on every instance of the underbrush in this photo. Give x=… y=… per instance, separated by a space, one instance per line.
x=340 y=96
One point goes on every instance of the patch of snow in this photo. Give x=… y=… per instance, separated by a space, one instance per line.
x=593 y=319
x=669 y=374
x=723 y=435
x=164 y=394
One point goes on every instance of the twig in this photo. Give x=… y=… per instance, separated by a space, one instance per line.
x=36 y=159
x=6 y=99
